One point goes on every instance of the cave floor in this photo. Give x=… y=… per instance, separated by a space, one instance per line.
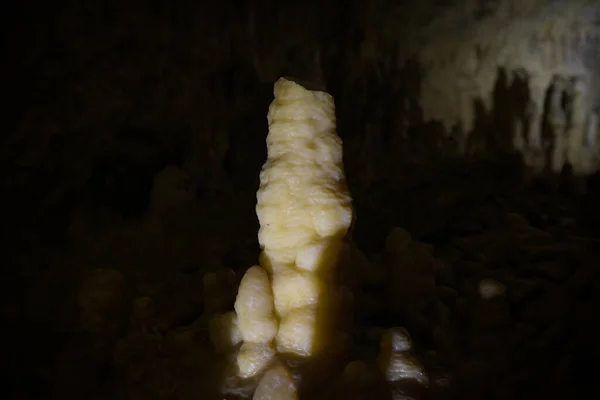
x=120 y=314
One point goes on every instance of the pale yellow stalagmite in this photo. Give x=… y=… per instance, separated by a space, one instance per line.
x=304 y=210
x=256 y=322
x=290 y=308
x=276 y=384
x=254 y=307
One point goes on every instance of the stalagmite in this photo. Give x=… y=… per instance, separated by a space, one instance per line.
x=575 y=134
x=398 y=365
x=293 y=307
x=556 y=120
x=304 y=210
x=276 y=384
x=256 y=321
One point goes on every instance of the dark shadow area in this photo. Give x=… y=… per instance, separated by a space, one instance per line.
x=495 y=129
x=122 y=181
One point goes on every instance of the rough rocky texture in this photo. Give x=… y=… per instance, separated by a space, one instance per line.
x=133 y=137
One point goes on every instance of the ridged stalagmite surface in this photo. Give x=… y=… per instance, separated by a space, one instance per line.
x=293 y=304
x=304 y=210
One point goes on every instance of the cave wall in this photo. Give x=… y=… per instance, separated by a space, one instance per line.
x=103 y=97
x=542 y=49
